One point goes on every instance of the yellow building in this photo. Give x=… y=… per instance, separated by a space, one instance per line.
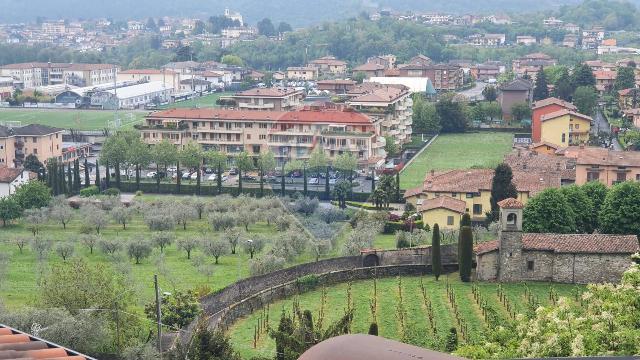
x=473 y=188
x=565 y=127
x=302 y=73
x=444 y=211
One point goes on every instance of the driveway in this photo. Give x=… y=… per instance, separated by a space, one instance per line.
x=600 y=124
x=475 y=93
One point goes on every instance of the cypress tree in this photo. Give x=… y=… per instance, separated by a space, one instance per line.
x=117 y=170
x=304 y=177
x=219 y=178
x=76 y=176
x=261 y=182
x=398 y=186
x=62 y=182
x=327 y=189
x=86 y=173
x=137 y=177
x=436 y=257
x=373 y=329
x=541 y=89
x=373 y=181
x=466 y=249
x=107 y=177
x=239 y=181
x=178 y=177
x=69 y=180
x=282 y=185
x=502 y=187
x=199 y=171
x=464 y=221
x=97 y=182
x=451 y=342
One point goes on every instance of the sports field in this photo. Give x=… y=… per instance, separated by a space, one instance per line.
x=72 y=119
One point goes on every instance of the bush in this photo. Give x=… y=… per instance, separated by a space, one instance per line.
x=402 y=241
x=308 y=281
x=391 y=227
x=89 y=191
x=139 y=193
x=265 y=264
x=111 y=192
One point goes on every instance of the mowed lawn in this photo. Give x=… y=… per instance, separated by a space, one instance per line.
x=417 y=327
x=207 y=101
x=457 y=151
x=73 y=119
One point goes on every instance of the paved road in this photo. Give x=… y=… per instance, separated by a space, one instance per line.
x=601 y=124
x=475 y=93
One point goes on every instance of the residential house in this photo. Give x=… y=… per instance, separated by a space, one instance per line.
x=605 y=165
x=544 y=107
x=279 y=75
x=552 y=22
x=490 y=40
x=444 y=77
x=514 y=92
x=273 y=99
x=572 y=28
x=291 y=135
x=605 y=80
x=567 y=258
x=16 y=143
x=302 y=73
x=526 y=40
x=570 y=41
x=591 y=38
x=336 y=86
x=420 y=60
x=387 y=61
x=12 y=178
x=195 y=85
x=565 y=127
x=169 y=78
x=390 y=107
x=6 y=87
x=542 y=159
x=628 y=98
x=473 y=188
x=531 y=64
x=599 y=65
x=485 y=71
x=329 y=65
x=370 y=69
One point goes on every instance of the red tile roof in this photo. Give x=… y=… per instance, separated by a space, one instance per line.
x=510 y=203
x=7 y=175
x=605 y=75
x=563 y=112
x=15 y=344
x=412 y=192
x=553 y=100
x=601 y=156
x=146 y=72
x=572 y=243
x=369 y=67
x=268 y=92
x=444 y=202
x=299 y=116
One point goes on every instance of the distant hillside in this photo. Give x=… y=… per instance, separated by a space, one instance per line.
x=297 y=12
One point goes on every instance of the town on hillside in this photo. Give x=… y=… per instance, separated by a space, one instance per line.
x=389 y=185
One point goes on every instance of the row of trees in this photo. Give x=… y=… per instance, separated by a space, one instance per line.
x=446 y=115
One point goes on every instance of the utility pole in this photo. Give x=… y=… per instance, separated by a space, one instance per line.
x=158 y=314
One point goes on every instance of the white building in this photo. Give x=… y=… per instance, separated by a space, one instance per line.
x=11 y=179
x=132 y=97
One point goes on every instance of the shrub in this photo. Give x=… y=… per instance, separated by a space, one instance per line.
x=402 y=241
x=111 y=192
x=89 y=191
x=331 y=214
x=265 y=264
x=139 y=193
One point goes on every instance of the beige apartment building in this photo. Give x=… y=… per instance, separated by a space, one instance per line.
x=169 y=78
x=329 y=65
x=388 y=106
x=291 y=135
x=18 y=142
x=302 y=73
x=274 y=99
x=607 y=166
x=34 y=75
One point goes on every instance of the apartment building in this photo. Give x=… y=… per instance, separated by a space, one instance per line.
x=531 y=64
x=275 y=99
x=169 y=78
x=329 y=65
x=388 y=106
x=444 y=77
x=545 y=107
x=16 y=143
x=291 y=135
x=490 y=40
x=607 y=166
x=6 y=87
x=56 y=27
x=34 y=75
x=308 y=73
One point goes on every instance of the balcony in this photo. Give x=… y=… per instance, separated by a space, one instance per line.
x=256 y=106
x=220 y=130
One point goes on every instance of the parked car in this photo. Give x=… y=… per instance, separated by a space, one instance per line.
x=208 y=171
x=186 y=175
x=249 y=178
x=152 y=174
x=194 y=176
x=172 y=169
x=314 y=181
x=233 y=171
x=333 y=181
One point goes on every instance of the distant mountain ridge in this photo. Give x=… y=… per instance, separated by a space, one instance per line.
x=297 y=12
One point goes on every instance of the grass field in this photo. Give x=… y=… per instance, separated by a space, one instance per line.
x=417 y=330
x=457 y=151
x=72 y=119
x=207 y=101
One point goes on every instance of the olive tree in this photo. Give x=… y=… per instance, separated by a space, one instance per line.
x=95 y=216
x=65 y=250
x=35 y=219
x=232 y=236
x=139 y=249
x=253 y=245
x=188 y=244
x=162 y=239
x=122 y=215
x=90 y=241
x=60 y=211
x=183 y=213
x=215 y=247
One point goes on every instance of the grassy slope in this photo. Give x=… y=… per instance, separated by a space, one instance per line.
x=457 y=151
x=76 y=119
x=207 y=101
x=417 y=328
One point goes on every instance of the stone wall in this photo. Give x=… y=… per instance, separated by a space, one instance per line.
x=487 y=266
x=542 y=265
x=510 y=256
x=590 y=268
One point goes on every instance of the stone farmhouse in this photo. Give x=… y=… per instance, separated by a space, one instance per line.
x=565 y=258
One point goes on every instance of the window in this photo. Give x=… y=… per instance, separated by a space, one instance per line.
x=637 y=175
x=621 y=177
x=34 y=139
x=469 y=195
x=453 y=195
x=449 y=220
x=477 y=209
x=248 y=136
x=511 y=219
x=593 y=176
x=564 y=139
x=263 y=137
x=530 y=265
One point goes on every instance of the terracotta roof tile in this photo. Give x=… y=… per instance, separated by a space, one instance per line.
x=369 y=67
x=269 y=92
x=146 y=72
x=412 y=192
x=7 y=175
x=444 y=202
x=485 y=247
x=602 y=156
x=15 y=344
x=563 y=112
x=605 y=75
x=582 y=243
x=552 y=100
x=510 y=203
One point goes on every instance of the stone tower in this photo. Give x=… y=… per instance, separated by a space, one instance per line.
x=510 y=241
